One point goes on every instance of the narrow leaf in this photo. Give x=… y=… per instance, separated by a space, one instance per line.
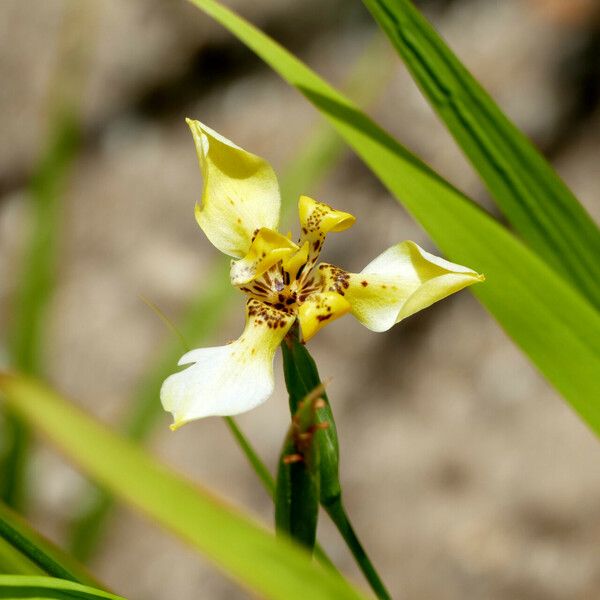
x=48 y=588
x=273 y=567
x=301 y=378
x=35 y=289
x=14 y=563
x=297 y=492
x=39 y=552
x=526 y=188
x=47 y=186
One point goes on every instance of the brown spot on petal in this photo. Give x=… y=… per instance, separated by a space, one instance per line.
x=322 y=318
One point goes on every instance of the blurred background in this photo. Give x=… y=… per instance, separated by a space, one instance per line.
x=465 y=474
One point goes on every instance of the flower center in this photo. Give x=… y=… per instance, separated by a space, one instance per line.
x=281 y=289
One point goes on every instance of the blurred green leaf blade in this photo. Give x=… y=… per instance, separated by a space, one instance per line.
x=39 y=552
x=48 y=588
x=273 y=567
x=550 y=320
x=36 y=287
x=12 y=562
x=523 y=184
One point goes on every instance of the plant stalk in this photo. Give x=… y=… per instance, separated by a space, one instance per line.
x=301 y=377
x=338 y=515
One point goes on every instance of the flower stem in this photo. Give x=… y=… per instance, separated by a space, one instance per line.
x=337 y=513
x=256 y=463
x=301 y=377
x=267 y=479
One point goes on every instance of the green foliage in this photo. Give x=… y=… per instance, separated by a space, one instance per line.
x=551 y=322
x=301 y=379
x=14 y=563
x=526 y=188
x=298 y=478
x=37 y=280
x=271 y=566
x=265 y=477
x=48 y=588
x=30 y=553
x=543 y=289
x=37 y=284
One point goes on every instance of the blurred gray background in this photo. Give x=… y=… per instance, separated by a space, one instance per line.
x=465 y=474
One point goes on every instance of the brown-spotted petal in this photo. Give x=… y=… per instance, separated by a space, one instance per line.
x=398 y=283
x=230 y=379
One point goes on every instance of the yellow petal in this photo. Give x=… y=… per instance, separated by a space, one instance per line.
x=317 y=220
x=317 y=217
x=266 y=250
x=293 y=263
x=231 y=379
x=318 y=310
x=400 y=282
x=240 y=193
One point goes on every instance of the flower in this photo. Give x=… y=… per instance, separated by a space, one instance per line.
x=239 y=213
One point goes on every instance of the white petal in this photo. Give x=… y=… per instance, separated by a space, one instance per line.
x=231 y=379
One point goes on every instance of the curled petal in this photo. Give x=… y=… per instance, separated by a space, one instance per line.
x=317 y=220
x=317 y=217
x=318 y=310
x=296 y=261
x=267 y=249
x=231 y=379
x=240 y=193
x=400 y=282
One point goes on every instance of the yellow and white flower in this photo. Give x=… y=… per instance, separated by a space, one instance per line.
x=239 y=213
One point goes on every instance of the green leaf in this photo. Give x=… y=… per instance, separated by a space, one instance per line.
x=48 y=588
x=38 y=555
x=14 y=563
x=301 y=378
x=273 y=567
x=35 y=288
x=267 y=480
x=526 y=188
x=298 y=479
x=551 y=322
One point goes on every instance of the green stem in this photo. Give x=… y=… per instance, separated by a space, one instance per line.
x=301 y=377
x=337 y=513
x=267 y=480
x=14 y=462
x=259 y=467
